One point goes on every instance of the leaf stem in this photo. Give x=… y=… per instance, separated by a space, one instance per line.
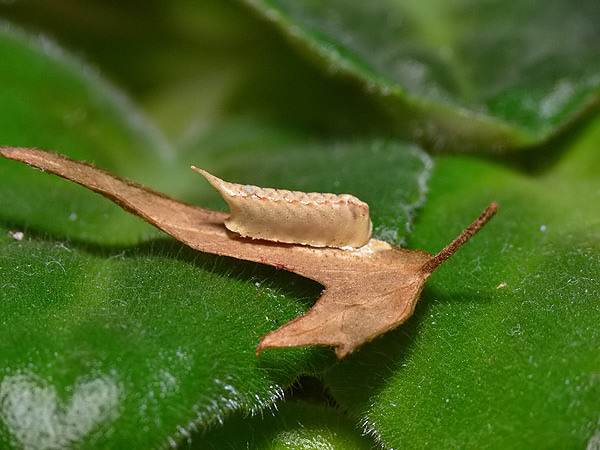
x=463 y=237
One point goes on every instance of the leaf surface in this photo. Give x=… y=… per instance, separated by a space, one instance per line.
x=502 y=350
x=52 y=100
x=135 y=345
x=459 y=75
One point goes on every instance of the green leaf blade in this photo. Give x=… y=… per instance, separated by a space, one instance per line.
x=173 y=356
x=458 y=75
x=53 y=101
x=501 y=351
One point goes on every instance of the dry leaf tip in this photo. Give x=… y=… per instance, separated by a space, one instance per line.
x=462 y=238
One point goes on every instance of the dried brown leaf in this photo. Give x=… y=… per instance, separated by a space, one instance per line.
x=368 y=290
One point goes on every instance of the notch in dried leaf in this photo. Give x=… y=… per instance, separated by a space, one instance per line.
x=368 y=291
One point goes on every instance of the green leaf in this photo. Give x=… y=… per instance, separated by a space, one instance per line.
x=51 y=100
x=503 y=349
x=295 y=425
x=134 y=346
x=458 y=75
x=115 y=336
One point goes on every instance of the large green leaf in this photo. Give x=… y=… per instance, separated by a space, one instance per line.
x=114 y=336
x=460 y=74
x=503 y=349
x=48 y=99
x=134 y=346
